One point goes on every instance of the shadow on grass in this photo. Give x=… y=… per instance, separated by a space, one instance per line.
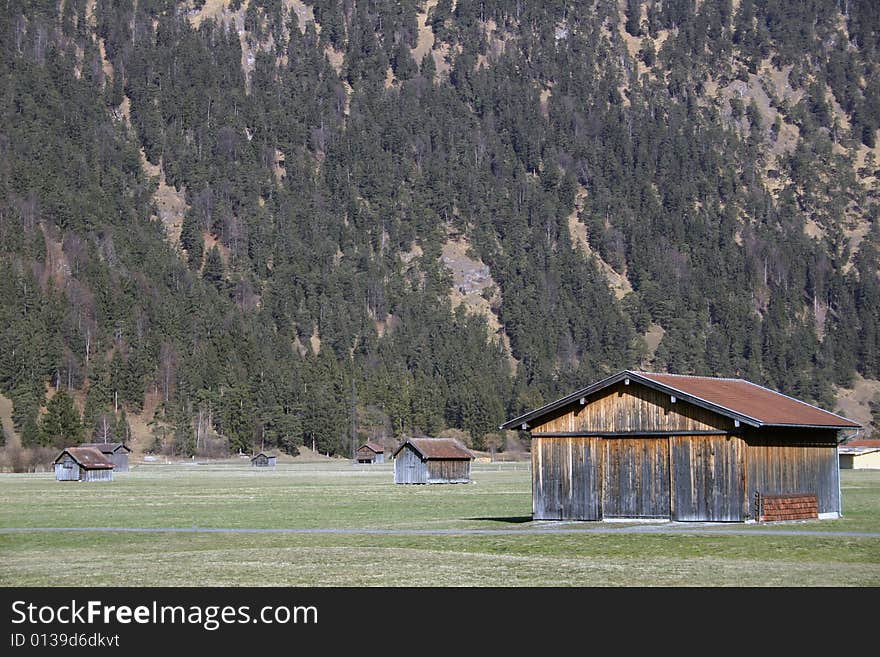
x=507 y=519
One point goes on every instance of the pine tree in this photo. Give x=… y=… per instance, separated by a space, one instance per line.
x=213 y=271
x=61 y=426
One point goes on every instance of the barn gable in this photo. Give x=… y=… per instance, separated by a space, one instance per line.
x=628 y=408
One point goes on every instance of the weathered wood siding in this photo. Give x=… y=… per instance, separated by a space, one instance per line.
x=67 y=469
x=565 y=478
x=708 y=478
x=783 y=462
x=97 y=475
x=631 y=408
x=365 y=455
x=409 y=467
x=119 y=460
x=441 y=471
x=635 y=478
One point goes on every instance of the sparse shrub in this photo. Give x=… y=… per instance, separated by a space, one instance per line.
x=27 y=459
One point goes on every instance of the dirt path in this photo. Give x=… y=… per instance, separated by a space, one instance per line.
x=638 y=529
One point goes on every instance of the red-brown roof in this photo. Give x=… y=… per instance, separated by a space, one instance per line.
x=438 y=448
x=738 y=399
x=751 y=400
x=87 y=457
x=373 y=447
x=864 y=442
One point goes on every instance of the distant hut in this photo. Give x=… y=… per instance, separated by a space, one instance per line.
x=116 y=453
x=682 y=448
x=432 y=461
x=83 y=464
x=370 y=452
x=263 y=460
x=859 y=455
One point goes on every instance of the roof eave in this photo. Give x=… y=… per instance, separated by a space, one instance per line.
x=834 y=427
x=616 y=378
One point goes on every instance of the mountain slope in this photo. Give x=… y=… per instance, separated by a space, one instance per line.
x=269 y=215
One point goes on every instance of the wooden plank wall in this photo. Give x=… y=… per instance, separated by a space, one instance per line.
x=70 y=473
x=409 y=467
x=566 y=478
x=708 y=478
x=635 y=478
x=97 y=475
x=632 y=408
x=449 y=471
x=781 y=464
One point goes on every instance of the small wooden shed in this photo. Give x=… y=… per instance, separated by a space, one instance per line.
x=370 y=452
x=860 y=455
x=83 y=464
x=264 y=460
x=116 y=453
x=432 y=461
x=684 y=448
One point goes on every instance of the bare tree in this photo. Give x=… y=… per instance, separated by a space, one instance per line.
x=168 y=360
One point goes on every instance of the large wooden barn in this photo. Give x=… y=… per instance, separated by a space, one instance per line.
x=83 y=464
x=116 y=453
x=370 y=452
x=684 y=448
x=432 y=461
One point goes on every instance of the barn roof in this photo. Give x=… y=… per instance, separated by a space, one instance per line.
x=864 y=442
x=87 y=457
x=437 y=448
x=864 y=446
x=737 y=399
x=258 y=455
x=373 y=447
x=108 y=448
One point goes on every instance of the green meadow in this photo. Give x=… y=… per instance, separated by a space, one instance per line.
x=335 y=524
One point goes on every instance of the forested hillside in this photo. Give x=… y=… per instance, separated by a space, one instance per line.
x=269 y=223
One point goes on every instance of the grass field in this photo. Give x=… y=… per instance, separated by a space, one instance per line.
x=354 y=527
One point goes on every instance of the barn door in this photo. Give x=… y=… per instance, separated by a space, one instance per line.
x=565 y=478
x=708 y=479
x=412 y=467
x=636 y=478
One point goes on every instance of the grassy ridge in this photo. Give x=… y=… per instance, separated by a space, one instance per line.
x=342 y=496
